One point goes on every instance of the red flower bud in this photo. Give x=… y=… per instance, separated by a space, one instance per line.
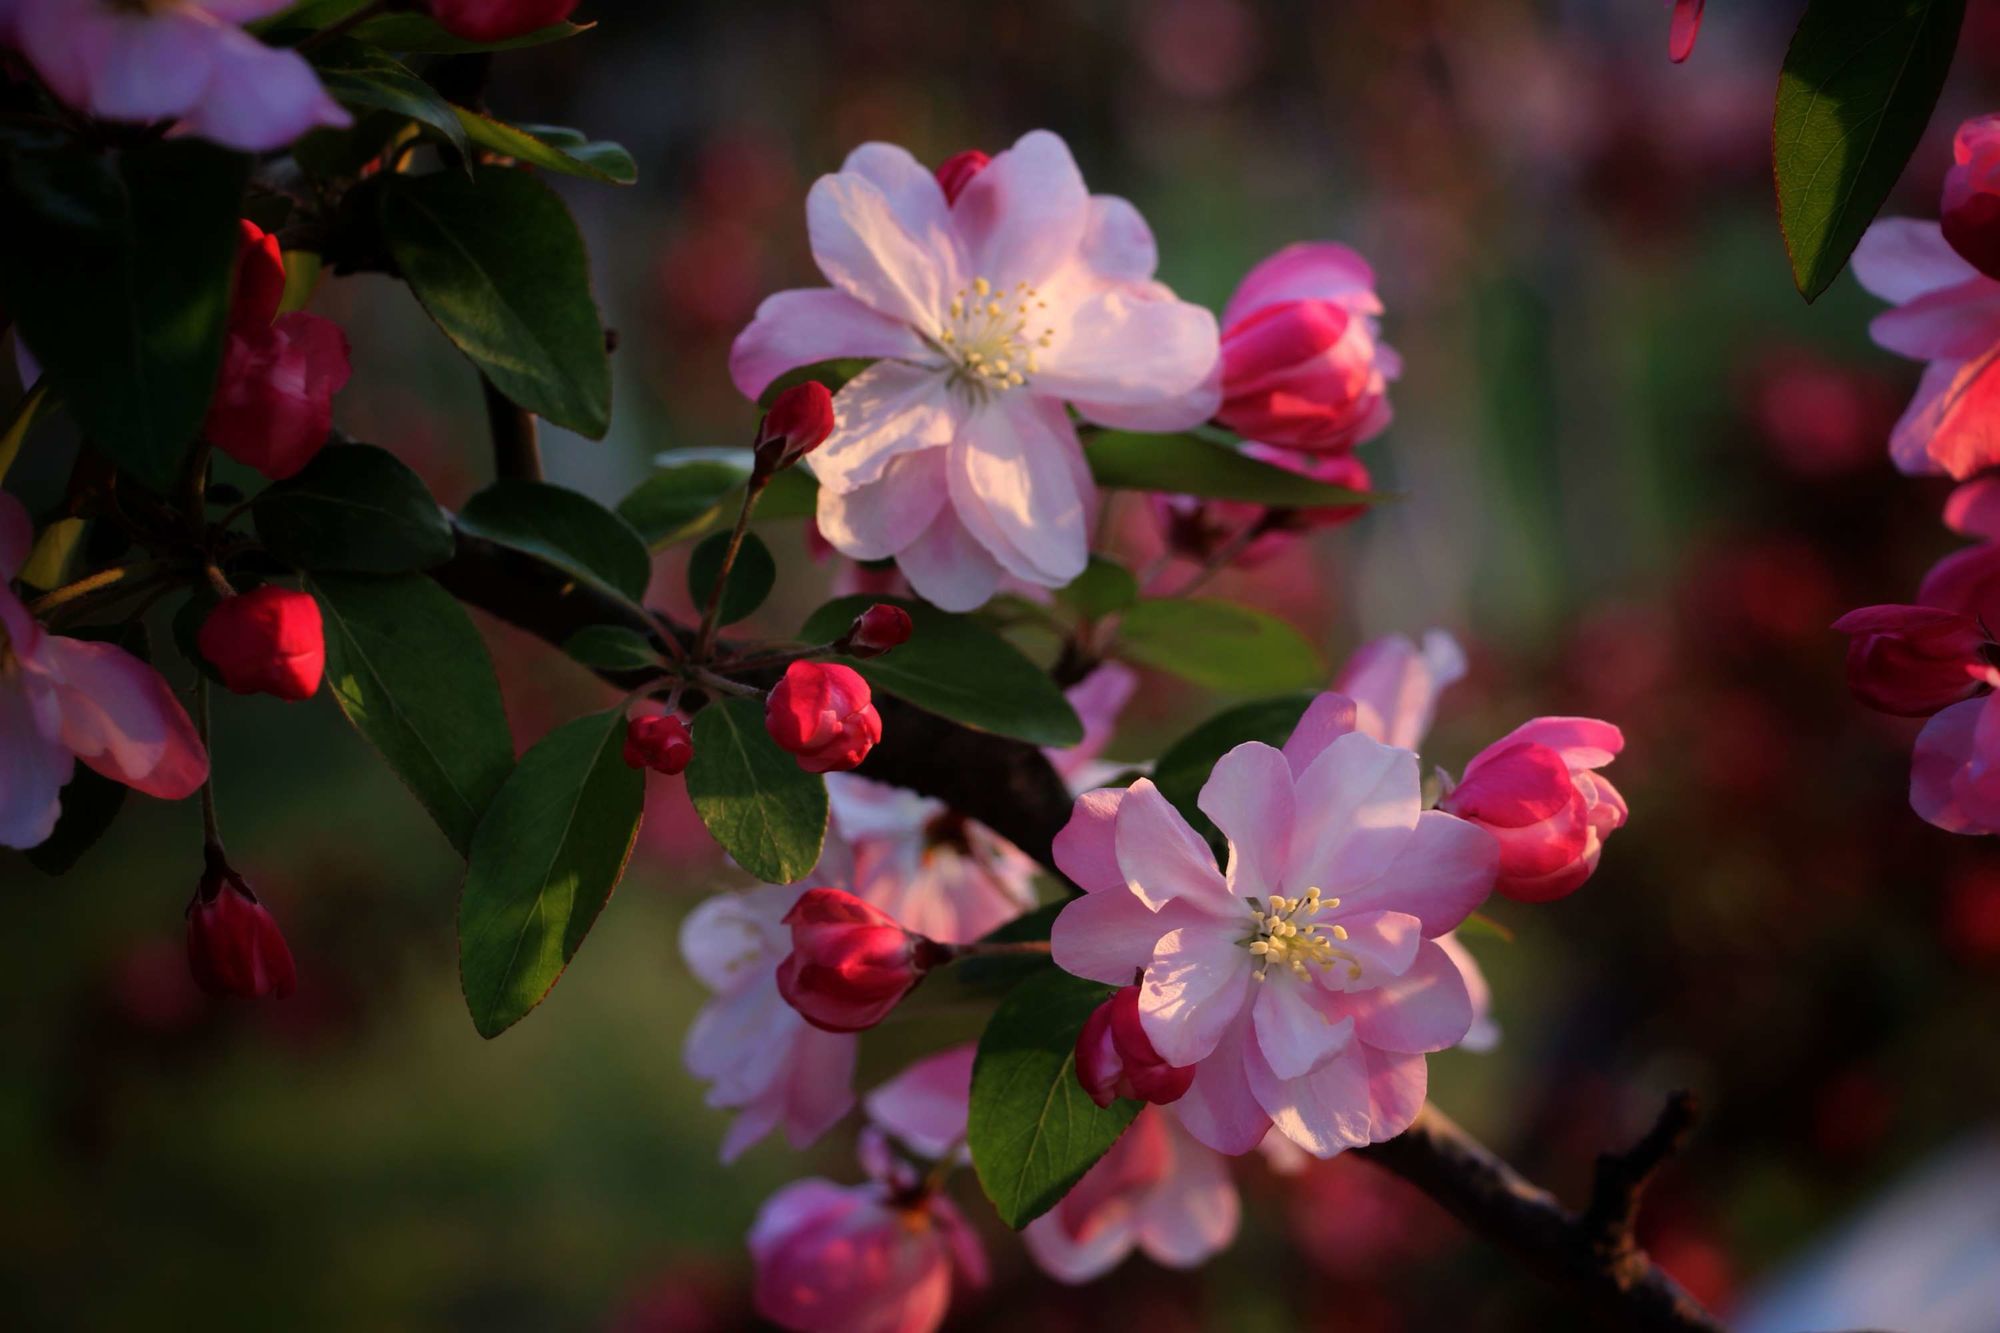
x=1969 y=213
x=659 y=743
x=1115 y=1058
x=1537 y=791
x=850 y=963
x=1304 y=374
x=798 y=423
x=268 y=641
x=273 y=406
x=234 y=945
x=821 y=713
x=260 y=278
x=956 y=172
x=498 y=20
x=877 y=630
x=1913 y=660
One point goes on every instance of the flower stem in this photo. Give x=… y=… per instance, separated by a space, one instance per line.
x=705 y=638
x=997 y=949
x=119 y=580
x=722 y=684
x=783 y=657
x=211 y=831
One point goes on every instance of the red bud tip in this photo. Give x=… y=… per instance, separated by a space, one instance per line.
x=659 y=743
x=267 y=641
x=234 y=945
x=956 y=172
x=798 y=423
x=498 y=20
x=877 y=630
x=1115 y=1058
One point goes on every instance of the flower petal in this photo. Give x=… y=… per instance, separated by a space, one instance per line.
x=1327 y=718
x=1026 y=214
x=863 y=248
x=1087 y=848
x=926 y=1105
x=1396 y=1086
x=1192 y=1214
x=1111 y=936
x=1395 y=685
x=888 y=515
x=1295 y=1034
x=1950 y=324
x=1194 y=989
x=1219 y=1109
x=1427 y=1008
x=1948 y=425
x=810 y=324
x=1441 y=876
x=819 y=1088
x=1900 y=259
x=887 y=410
x=1117 y=243
x=1358 y=805
x=1326 y=1111
x=1307 y=271
x=947 y=567
x=1015 y=489
x=34 y=763
x=912 y=190
x=1249 y=796
x=1131 y=347
x=1383 y=945
x=1163 y=859
x=259 y=98
x=119 y=717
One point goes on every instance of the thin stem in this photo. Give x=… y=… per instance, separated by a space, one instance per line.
x=722 y=684
x=211 y=831
x=1224 y=555
x=705 y=637
x=123 y=579
x=783 y=657
x=337 y=28
x=997 y=949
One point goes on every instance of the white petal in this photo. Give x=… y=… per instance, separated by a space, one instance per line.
x=947 y=567
x=1013 y=485
x=1197 y=984
x=797 y=328
x=863 y=248
x=890 y=409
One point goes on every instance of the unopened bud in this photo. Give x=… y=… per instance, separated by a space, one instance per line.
x=659 y=743
x=875 y=631
x=798 y=423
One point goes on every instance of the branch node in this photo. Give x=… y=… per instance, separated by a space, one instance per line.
x=1622 y=1177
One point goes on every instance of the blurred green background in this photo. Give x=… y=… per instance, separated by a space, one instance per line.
x=1640 y=479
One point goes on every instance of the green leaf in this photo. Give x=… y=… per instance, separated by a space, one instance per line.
x=683 y=499
x=1481 y=924
x=957 y=668
x=1184 y=766
x=751 y=578
x=570 y=531
x=410 y=672
x=419 y=34
x=612 y=648
x=833 y=374
x=1032 y=1129
x=367 y=77
x=1857 y=89
x=499 y=265
x=550 y=850
x=1103 y=587
x=551 y=147
x=90 y=801
x=1190 y=465
x=355 y=509
x=764 y=810
x=1218 y=645
x=117 y=269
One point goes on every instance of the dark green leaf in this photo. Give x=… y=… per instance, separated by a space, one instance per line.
x=90 y=801
x=355 y=509
x=1190 y=465
x=410 y=672
x=117 y=268
x=1183 y=768
x=1858 y=86
x=1032 y=1129
x=750 y=578
x=366 y=77
x=550 y=147
x=550 y=850
x=612 y=648
x=1219 y=645
x=419 y=34
x=570 y=531
x=957 y=668
x=757 y=803
x=1103 y=587
x=833 y=374
x=499 y=265
x=683 y=499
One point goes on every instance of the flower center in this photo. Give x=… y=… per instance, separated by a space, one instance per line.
x=1286 y=935
x=991 y=337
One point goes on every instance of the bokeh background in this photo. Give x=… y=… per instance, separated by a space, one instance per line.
x=1640 y=478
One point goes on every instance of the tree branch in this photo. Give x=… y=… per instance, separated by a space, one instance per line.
x=1010 y=787
x=516 y=452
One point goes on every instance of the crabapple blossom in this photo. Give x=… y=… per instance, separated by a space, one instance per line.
x=1301 y=363
x=269 y=640
x=798 y=423
x=1947 y=315
x=926 y=1106
x=821 y=712
x=1202 y=529
x=1304 y=982
x=1955 y=769
x=1969 y=213
x=234 y=945
x=1157 y=1191
x=851 y=963
x=1969 y=580
x=1114 y=1059
x=659 y=742
x=876 y=630
x=64 y=699
x=1913 y=660
x=1098 y=700
x=185 y=61
x=1537 y=792
x=498 y=20
x=987 y=316
x=1395 y=685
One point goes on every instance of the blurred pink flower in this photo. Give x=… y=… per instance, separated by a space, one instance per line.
x=955 y=453
x=925 y=1106
x=1955 y=771
x=1305 y=983
x=66 y=699
x=1686 y=25
x=1099 y=698
x=1201 y=530
x=1395 y=685
x=1969 y=211
x=1157 y=1191
x=1947 y=315
x=185 y=61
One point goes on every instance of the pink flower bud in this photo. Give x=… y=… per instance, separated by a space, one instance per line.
x=1302 y=374
x=1683 y=28
x=234 y=945
x=267 y=641
x=798 y=423
x=821 y=713
x=877 y=630
x=260 y=278
x=850 y=963
x=660 y=743
x=1115 y=1059
x=273 y=406
x=498 y=20
x=1536 y=792
x=1970 y=209
x=956 y=172
x=1913 y=660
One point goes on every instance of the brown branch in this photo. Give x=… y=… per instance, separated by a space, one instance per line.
x=516 y=452
x=1011 y=788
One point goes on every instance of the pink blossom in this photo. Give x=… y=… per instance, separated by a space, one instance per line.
x=1305 y=982
x=1200 y=529
x=1395 y=685
x=1913 y=660
x=1968 y=581
x=1157 y=1191
x=1969 y=212
x=985 y=316
x=1955 y=771
x=925 y=1106
x=1947 y=315
x=762 y=1060
x=185 y=61
x=1302 y=366
x=65 y=699
x=1537 y=792
x=937 y=873
x=1484 y=1034
x=860 y=1258
x=1098 y=699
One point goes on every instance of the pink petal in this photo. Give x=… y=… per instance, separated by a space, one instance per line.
x=801 y=327
x=1681 y=33
x=1127 y=347
x=1327 y=718
x=1326 y=1111
x=888 y=410
x=740 y=1043
x=819 y=1087
x=1974 y=508
x=1309 y=270
x=863 y=248
x=1014 y=488
x=1585 y=742
x=947 y=567
x=149 y=66
x=1358 y=805
x=1427 y=1008
x=1900 y=259
x=1111 y=936
x=1087 y=848
x=1294 y=1035
x=1395 y=685
x=1948 y=425
x=1025 y=216
x=1249 y=796
x=1117 y=243
x=1179 y=411
x=119 y=717
x=1396 y=1087
x=1163 y=859
x=34 y=763
x=888 y=515
x=731 y=941
x=259 y=98
x=1196 y=986
x=1947 y=765
x=1075 y=1262
x=1383 y=944
x=1441 y=876
x=1191 y=1216
x=1950 y=324
x=911 y=190
x=1219 y=1108
x=926 y=1105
